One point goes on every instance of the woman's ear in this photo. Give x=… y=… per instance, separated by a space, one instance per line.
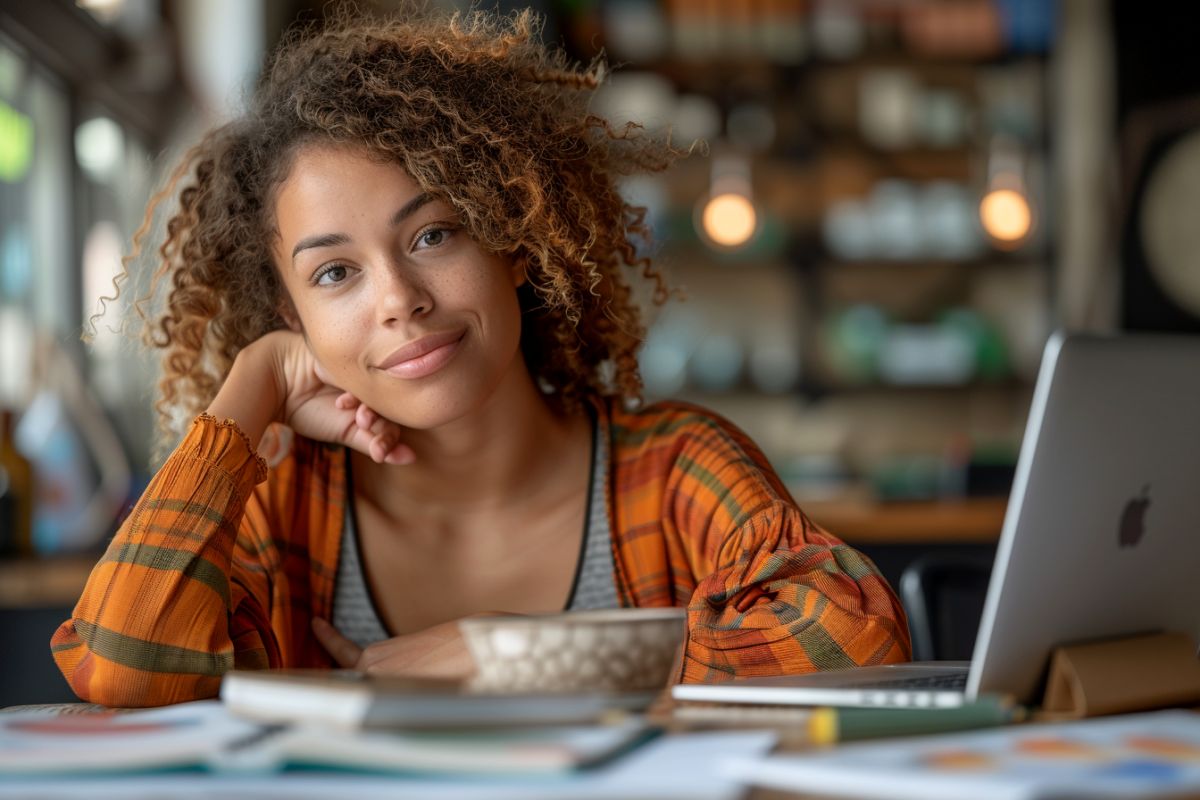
x=517 y=271
x=288 y=312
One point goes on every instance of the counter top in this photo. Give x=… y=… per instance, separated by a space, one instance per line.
x=42 y=583
x=967 y=521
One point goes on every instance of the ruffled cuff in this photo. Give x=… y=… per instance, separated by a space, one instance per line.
x=222 y=443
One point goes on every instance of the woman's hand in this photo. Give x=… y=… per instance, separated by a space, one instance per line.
x=437 y=652
x=278 y=379
x=314 y=407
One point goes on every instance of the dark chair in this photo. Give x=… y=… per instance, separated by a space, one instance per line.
x=944 y=596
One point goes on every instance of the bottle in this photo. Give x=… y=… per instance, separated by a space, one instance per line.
x=16 y=494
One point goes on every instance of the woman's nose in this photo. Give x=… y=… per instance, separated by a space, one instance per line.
x=402 y=296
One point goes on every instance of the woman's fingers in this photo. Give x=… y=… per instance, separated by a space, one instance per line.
x=400 y=454
x=379 y=447
x=345 y=652
x=386 y=448
x=381 y=441
x=366 y=418
x=372 y=434
x=385 y=445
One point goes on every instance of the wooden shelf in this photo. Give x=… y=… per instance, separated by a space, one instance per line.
x=1007 y=385
x=991 y=259
x=970 y=521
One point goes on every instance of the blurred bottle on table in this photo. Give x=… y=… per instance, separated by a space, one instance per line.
x=80 y=469
x=16 y=493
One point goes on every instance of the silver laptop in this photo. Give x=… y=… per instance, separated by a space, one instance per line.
x=1100 y=537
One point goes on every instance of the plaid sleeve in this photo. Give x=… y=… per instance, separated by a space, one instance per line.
x=780 y=596
x=709 y=524
x=178 y=597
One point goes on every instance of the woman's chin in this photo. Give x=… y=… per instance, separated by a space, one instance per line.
x=434 y=403
x=428 y=413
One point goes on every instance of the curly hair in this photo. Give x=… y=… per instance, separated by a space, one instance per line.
x=479 y=113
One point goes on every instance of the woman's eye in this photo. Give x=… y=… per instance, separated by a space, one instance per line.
x=434 y=237
x=334 y=274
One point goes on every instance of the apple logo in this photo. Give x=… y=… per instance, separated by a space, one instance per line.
x=1133 y=519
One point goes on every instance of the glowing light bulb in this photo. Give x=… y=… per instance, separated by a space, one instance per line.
x=99 y=145
x=729 y=219
x=1006 y=215
x=104 y=10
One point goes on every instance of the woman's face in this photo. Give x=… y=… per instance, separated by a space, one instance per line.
x=397 y=302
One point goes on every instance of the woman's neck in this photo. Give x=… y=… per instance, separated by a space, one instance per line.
x=510 y=450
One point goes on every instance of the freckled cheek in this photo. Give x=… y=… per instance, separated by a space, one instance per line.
x=339 y=347
x=449 y=289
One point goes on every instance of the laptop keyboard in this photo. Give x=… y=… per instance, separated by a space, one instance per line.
x=948 y=681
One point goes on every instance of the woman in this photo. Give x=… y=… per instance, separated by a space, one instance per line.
x=409 y=252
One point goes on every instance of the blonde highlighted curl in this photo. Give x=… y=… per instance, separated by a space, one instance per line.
x=480 y=114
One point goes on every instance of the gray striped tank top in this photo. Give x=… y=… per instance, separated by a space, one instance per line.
x=354 y=611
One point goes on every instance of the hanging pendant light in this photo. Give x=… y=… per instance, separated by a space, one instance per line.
x=726 y=218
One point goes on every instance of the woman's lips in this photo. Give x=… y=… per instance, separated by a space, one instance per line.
x=424 y=356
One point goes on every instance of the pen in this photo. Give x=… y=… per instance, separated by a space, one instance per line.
x=845 y=724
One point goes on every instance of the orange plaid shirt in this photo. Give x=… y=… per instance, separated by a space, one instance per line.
x=223 y=563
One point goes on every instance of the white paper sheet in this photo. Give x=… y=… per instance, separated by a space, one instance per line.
x=680 y=766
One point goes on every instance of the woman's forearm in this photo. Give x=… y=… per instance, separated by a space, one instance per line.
x=250 y=396
x=153 y=625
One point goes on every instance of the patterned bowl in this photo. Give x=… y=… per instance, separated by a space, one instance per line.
x=623 y=650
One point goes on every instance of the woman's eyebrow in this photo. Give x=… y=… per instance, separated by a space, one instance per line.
x=320 y=240
x=332 y=239
x=410 y=208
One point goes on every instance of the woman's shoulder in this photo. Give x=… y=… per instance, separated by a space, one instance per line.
x=686 y=450
x=676 y=424
x=664 y=417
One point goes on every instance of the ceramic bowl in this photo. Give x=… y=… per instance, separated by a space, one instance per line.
x=622 y=650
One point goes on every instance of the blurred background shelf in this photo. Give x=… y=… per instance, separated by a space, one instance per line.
x=872 y=317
